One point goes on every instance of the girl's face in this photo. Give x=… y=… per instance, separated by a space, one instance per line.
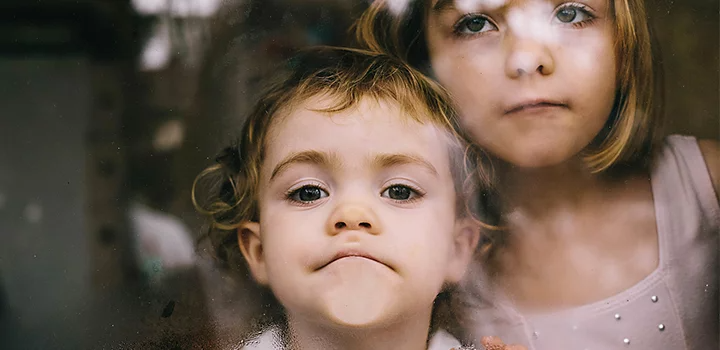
x=358 y=225
x=534 y=80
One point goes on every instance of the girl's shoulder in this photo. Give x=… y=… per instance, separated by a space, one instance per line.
x=687 y=169
x=710 y=150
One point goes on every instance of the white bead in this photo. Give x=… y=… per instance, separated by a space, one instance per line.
x=661 y=327
x=617 y=316
x=654 y=298
x=626 y=341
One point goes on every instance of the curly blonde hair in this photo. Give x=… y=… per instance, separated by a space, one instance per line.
x=227 y=191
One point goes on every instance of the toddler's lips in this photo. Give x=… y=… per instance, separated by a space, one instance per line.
x=353 y=254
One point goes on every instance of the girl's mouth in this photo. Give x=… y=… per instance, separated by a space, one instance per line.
x=533 y=105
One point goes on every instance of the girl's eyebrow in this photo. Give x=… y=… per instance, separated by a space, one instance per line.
x=389 y=160
x=448 y=5
x=443 y=5
x=329 y=160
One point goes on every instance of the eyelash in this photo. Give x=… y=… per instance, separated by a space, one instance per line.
x=457 y=28
x=458 y=31
x=292 y=191
x=419 y=193
x=581 y=8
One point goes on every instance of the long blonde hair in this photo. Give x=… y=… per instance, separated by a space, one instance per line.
x=632 y=129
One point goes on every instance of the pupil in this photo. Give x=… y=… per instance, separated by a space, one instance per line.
x=567 y=15
x=399 y=193
x=475 y=24
x=309 y=194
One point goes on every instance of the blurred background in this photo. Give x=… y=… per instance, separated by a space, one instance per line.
x=108 y=110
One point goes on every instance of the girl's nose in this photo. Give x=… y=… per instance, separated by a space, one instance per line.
x=527 y=41
x=527 y=57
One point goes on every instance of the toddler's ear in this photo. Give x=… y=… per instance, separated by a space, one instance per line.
x=248 y=235
x=465 y=239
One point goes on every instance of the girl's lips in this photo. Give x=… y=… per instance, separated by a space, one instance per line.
x=529 y=105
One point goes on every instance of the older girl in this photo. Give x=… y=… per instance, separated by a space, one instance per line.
x=608 y=235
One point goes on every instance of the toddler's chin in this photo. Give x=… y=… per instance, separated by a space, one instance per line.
x=362 y=295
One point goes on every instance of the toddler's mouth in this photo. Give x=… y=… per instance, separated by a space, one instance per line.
x=353 y=253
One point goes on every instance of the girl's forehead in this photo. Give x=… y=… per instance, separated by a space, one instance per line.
x=467 y=5
x=438 y=6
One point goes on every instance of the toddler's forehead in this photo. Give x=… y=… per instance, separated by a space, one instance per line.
x=414 y=111
x=403 y=117
x=432 y=131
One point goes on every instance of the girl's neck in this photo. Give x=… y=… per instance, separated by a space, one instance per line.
x=566 y=221
x=538 y=192
x=410 y=334
x=555 y=208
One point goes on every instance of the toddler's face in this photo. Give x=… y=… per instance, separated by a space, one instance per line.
x=358 y=226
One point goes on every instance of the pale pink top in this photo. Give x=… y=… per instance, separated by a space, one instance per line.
x=674 y=308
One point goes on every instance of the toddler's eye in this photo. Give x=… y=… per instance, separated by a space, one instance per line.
x=400 y=193
x=307 y=194
x=474 y=24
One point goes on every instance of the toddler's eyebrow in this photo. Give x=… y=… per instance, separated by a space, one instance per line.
x=312 y=157
x=388 y=160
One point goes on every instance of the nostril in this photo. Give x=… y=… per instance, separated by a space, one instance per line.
x=340 y=225
x=365 y=225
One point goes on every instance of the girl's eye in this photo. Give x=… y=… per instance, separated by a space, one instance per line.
x=474 y=24
x=400 y=193
x=307 y=194
x=566 y=15
x=572 y=14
